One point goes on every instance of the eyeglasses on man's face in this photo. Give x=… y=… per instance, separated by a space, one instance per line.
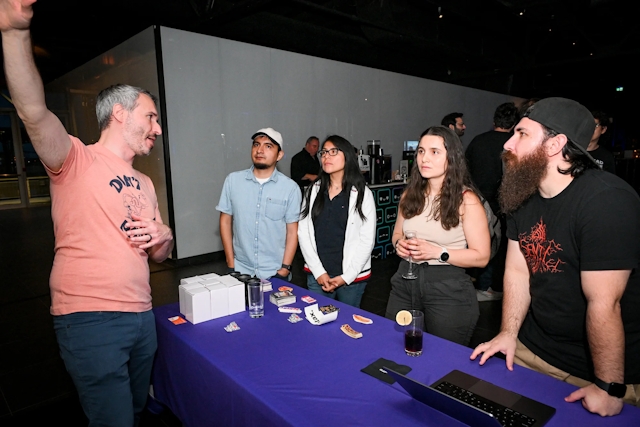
x=331 y=151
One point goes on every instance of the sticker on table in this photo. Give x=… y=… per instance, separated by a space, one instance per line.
x=289 y=310
x=308 y=299
x=294 y=318
x=177 y=320
x=232 y=327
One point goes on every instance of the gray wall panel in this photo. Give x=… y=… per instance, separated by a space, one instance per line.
x=219 y=92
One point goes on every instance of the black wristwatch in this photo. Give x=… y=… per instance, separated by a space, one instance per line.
x=287 y=266
x=614 y=389
x=444 y=256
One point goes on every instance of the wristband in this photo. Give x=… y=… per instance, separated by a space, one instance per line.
x=613 y=389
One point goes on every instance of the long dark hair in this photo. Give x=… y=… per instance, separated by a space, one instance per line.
x=352 y=178
x=578 y=160
x=446 y=205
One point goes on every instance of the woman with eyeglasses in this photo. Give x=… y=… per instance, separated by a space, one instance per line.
x=440 y=203
x=337 y=225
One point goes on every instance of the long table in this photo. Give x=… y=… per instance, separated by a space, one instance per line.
x=275 y=373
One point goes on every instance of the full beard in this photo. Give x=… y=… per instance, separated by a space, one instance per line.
x=521 y=178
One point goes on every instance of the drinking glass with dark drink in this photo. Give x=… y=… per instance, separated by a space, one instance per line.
x=413 y=333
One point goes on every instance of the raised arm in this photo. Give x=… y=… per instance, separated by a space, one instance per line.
x=48 y=136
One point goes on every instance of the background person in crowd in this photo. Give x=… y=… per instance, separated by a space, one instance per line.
x=441 y=204
x=337 y=225
x=571 y=283
x=484 y=159
x=259 y=210
x=602 y=156
x=106 y=224
x=454 y=122
x=305 y=165
x=522 y=109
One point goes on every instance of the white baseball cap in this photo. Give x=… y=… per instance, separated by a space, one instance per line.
x=272 y=134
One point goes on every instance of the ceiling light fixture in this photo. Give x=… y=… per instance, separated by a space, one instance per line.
x=440 y=15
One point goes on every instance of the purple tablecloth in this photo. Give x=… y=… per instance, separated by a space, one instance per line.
x=275 y=373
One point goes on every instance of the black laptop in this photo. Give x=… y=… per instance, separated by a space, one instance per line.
x=475 y=402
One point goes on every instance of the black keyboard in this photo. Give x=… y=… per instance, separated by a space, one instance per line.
x=505 y=416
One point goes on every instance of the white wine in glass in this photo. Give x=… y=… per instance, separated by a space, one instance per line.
x=410 y=234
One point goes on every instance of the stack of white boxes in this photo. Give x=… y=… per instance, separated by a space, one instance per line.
x=210 y=296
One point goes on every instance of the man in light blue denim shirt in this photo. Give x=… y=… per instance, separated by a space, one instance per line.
x=259 y=211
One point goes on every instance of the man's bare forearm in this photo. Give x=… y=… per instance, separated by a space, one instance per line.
x=515 y=304
x=605 y=333
x=291 y=243
x=226 y=235
x=23 y=79
x=45 y=130
x=516 y=297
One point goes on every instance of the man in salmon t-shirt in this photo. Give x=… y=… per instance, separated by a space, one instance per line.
x=106 y=224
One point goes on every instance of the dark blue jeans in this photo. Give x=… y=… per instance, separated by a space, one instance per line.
x=109 y=356
x=351 y=294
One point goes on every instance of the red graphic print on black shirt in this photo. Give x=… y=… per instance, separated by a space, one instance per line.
x=538 y=250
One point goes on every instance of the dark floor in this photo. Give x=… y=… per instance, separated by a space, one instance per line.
x=34 y=386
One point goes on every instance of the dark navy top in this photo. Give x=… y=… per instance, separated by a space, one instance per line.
x=330 y=227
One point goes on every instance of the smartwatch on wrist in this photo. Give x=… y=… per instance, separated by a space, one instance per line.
x=287 y=266
x=613 y=389
x=444 y=255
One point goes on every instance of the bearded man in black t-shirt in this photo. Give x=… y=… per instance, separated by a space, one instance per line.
x=571 y=286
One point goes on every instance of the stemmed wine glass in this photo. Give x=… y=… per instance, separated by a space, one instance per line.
x=410 y=234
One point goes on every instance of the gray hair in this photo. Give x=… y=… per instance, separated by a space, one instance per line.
x=125 y=95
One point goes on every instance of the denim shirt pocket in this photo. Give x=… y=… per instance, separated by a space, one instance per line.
x=275 y=209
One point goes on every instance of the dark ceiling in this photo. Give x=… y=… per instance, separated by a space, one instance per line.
x=581 y=49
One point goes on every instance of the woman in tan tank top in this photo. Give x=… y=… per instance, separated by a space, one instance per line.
x=441 y=204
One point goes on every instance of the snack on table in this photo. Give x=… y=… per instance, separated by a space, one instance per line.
x=362 y=319
x=328 y=309
x=350 y=331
